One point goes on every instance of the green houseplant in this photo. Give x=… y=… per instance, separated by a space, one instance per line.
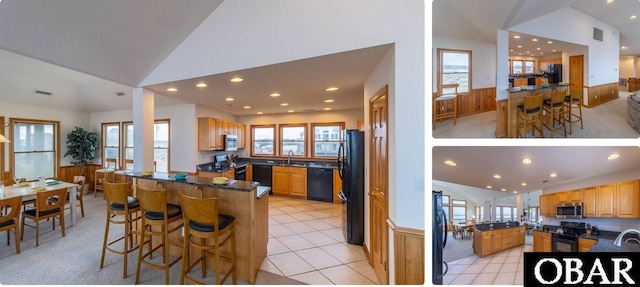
x=81 y=146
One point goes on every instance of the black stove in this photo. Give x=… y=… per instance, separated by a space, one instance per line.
x=567 y=239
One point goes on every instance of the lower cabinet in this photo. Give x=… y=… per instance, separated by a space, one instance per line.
x=492 y=241
x=228 y=174
x=289 y=181
x=585 y=244
x=541 y=241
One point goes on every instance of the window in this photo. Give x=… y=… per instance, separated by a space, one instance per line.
x=529 y=66
x=35 y=148
x=479 y=213
x=516 y=67
x=263 y=138
x=326 y=139
x=455 y=68
x=459 y=210
x=127 y=131
x=533 y=214
x=293 y=139
x=111 y=141
x=498 y=213
x=506 y=213
x=161 y=145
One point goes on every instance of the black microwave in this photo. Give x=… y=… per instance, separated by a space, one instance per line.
x=569 y=210
x=230 y=142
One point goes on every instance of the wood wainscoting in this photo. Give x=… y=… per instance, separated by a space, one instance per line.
x=477 y=101
x=602 y=93
x=634 y=84
x=408 y=252
x=66 y=173
x=502 y=118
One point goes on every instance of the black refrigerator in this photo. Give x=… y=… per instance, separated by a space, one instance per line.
x=439 y=240
x=554 y=73
x=351 y=171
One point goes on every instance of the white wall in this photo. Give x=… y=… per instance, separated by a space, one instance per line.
x=570 y=25
x=627 y=67
x=483 y=60
x=68 y=121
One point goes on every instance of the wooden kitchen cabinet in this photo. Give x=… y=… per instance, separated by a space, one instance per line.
x=562 y=197
x=337 y=186
x=242 y=135
x=575 y=195
x=627 y=196
x=209 y=137
x=249 y=173
x=553 y=202
x=541 y=241
x=589 y=202
x=585 y=244
x=289 y=181
x=491 y=241
x=228 y=174
x=486 y=243
x=496 y=240
x=518 y=82
x=544 y=205
x=605 y=200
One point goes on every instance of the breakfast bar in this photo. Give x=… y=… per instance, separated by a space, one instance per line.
x=516 y=98
x=245 y=200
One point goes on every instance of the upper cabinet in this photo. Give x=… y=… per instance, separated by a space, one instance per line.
x=211 y=133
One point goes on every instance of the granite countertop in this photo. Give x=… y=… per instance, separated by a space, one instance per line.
x=294 y=163
x=606 y=245
x=496 y=226
x=534 y=88
x=237 y=185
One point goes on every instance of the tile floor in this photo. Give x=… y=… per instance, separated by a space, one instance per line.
x=474 y=270
x=306 y=244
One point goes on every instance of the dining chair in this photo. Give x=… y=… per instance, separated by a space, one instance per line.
x=46 y=208
x=10 y=221
x=206 y=232
x=530 y=113
x=445 y=105
x=79 y=180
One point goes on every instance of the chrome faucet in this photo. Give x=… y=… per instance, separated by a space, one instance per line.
x=289 y=154
x=618 y=241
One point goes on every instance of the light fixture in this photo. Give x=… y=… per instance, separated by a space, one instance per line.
x=553 y=174
x=633 y=17
x=229 y=99
x=290 y=111
x=172 y=90
x=275 y=95
x=327 y=109
x=534 y=40
x=623 y=47
x=516 y=37
x=247 y=107
x=613 y=156
x=237 y=80
x=503 y=189
x=538 y=49
x=489 y=186
x=497 y=176
x=284 y=104
x=519 y=46
x=549 y=42
x=4 y=140
x=259 y=113
x=450 y=163
x=201 y=85
x=328 y=101
x=553 y=51
x=609 y=1
x=526 y=160
x=331 y=89
x=515 y=191
x=524 y=184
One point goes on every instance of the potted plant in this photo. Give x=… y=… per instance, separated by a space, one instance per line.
x=81 y=146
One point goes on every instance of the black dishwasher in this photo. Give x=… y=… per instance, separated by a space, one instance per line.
x=262 y=174
x=320 y=184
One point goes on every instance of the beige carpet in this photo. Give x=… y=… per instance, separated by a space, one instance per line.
x=607 y=120
x=75 y=258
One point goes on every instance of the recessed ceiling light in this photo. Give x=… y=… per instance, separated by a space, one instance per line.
x=553 y=175
x=229 y=99
x=515 y=191
x=524 y=184
x=516 y=37
x=327 y=109
x=247 y=107
x=623 y=47
x=538 y=49
x=613 y=156
x=237 y=80
x=549 y=42
x=284 y=104
x=519 y=46
x=526 y=160
x=609 y=1
x=331 y=89
x=541 y=53
x=450 y=163
x=553 y=51
x=534 y=40
x=290 y=111
x=275 y=95
x=172 y=90
x=527 y=52
x=489 y=186
x=259 y=113
x=633 y=17
x=497 y=176
x=328 y=101
x=503 y=189
x=201 y=85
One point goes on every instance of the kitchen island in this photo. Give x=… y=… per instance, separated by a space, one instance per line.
x=245 y=200
x=491 y=238
x=516 y=98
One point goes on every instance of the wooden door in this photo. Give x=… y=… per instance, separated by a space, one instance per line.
x=378 y=189
x=605 y=196
x=627 y=198
x=576 y=75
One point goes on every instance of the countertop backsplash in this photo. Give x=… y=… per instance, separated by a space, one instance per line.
x=610 y=224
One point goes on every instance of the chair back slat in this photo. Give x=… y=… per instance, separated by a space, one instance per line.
x=557 y=97
x=14 y=203
x=532 y=102
x=44 y=202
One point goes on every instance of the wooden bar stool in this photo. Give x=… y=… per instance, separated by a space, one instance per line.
x=529 y=113
x=555 y=112
x=572 y=102
x=120 y=204
x=204 y=224
x=156 y=212
x=445 y=105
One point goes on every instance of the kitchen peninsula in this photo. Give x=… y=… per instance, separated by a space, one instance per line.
x=489 y=238
x=516 y=98
x=244 y=200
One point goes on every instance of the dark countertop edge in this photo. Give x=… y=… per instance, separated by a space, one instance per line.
x=237 y=185
x=498 y=228
x=535 y=88
x=330 y=165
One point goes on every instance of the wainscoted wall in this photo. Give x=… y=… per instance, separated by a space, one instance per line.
x=409 y=255
x=477 y=101
x=602 y=93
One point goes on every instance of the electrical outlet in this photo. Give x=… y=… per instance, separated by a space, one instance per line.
x=182 y=231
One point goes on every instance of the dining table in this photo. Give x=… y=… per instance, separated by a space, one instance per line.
x=28 y=190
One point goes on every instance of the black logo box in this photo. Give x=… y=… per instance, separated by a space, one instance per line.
x=597 y=269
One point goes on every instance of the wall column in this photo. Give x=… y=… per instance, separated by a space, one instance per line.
x=143 y=114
